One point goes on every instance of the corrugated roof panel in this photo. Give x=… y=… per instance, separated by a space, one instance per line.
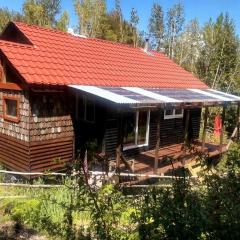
x=100 y=92
x=126 y=93
x=180 y=94
x=152 y=95
x=209 y=94
x=135 y=95
x=224 y=94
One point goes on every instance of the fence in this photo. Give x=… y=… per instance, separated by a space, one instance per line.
x=98 y=178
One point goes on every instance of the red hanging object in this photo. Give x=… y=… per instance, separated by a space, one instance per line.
x=217 y=125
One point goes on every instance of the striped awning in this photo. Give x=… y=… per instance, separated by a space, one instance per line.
x=144 y=96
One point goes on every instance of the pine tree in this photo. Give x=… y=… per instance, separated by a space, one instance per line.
x=219 y=60
x=134 y=21
x=175 y=22
x=118 y=12
x=6 y=15
x=156 y=26
x=91 y=16
x=188 y=46
x=44 y=13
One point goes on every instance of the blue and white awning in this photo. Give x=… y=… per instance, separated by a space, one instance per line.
x=136 y=95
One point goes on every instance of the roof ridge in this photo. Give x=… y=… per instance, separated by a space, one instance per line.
x=77 y=37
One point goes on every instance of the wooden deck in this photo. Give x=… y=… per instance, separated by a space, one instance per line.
x=171 y=158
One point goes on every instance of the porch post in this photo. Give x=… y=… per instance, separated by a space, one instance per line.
x=204 y=128
x=158 y=142
x=119 y=142
x=221 y=135
x=186 y=128
x=238 y=121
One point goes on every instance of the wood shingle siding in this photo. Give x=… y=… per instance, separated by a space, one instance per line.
x=20 y=129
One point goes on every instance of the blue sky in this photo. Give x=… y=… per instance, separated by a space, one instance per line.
x=201 y=9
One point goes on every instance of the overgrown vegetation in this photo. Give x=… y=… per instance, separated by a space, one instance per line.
x=78 y=210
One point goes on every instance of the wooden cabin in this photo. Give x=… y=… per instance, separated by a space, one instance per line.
x=59 y=91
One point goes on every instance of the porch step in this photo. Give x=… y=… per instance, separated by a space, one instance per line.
x=194 y=168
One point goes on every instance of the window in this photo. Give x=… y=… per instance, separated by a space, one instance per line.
x=85 y=108
x=136 y=129
x=11 y=109
x=173 y=113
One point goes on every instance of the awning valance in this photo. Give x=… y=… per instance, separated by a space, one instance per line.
x=155 y=96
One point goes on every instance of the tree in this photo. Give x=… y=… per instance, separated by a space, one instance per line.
x=118 y=12
x=156 y=26
x=63 y=22
x=91 y=15
x=188 y=46
x=33 y=13
x=134 y=21
x=175 y=21
x=44 y=13
x=51 y=9
x=219 y=59
x=6 y=15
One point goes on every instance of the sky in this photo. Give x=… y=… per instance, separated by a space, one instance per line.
x=203 y=10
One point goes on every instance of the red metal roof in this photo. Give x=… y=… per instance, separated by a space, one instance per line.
x=61 y=58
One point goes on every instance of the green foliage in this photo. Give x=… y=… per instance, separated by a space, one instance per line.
x=45 y=13
x=175 y=21
x=222 y=201
x=219 y=56
x=171 y=213
x=156 y=26
x=6 y=15
x=112 y=216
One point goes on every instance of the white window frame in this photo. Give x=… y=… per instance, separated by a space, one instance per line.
x=173 y=115
x=135 y=145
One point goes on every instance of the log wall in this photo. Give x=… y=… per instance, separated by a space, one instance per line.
x=171 y=132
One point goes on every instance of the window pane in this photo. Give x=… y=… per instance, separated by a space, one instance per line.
x=90 y=108
x=178 y=111
x=142 y=127
x=168 y=112
x=11 y=107
x=129 y=120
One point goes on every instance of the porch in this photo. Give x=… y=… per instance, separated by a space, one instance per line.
x=147 y=130
x=171 y=158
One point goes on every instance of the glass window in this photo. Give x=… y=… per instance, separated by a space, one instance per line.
x=169 y=112
x=173 y=113
x=85 y=109
x=129 y=123
x=135 y=129
x=11 y=109
x=142 y=127
x=179 y=111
